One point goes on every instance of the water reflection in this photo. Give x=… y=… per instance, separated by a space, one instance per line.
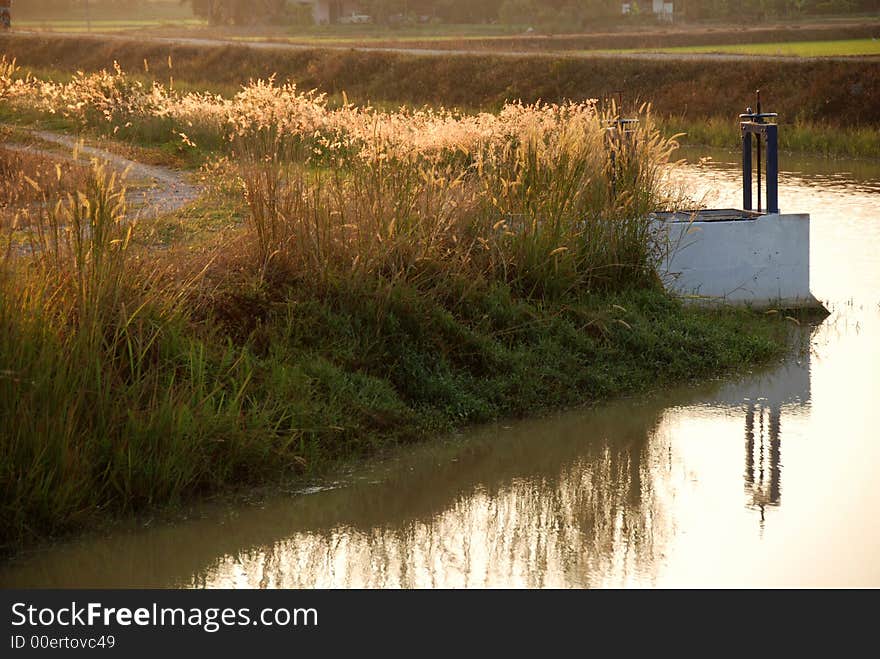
x=684 y=487
x=582 y=499
x=763 y=473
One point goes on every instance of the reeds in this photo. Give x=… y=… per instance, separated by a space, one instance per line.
x=548 y=199
x=105 y=395
x=28 y=179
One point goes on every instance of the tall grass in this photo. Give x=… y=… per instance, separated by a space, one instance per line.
x=548 y=199
x=106 y=397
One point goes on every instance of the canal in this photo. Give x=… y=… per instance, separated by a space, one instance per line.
x=767 y=479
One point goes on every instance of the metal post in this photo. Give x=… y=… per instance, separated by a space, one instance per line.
x=758 y=146
x=755 y=123
x=772 y=169
x=747 y=169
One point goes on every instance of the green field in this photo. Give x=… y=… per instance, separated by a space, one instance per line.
x=847 y=47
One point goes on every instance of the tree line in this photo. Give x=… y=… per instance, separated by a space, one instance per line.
x=568 y=13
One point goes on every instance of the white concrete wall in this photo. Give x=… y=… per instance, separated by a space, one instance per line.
x=764 y=262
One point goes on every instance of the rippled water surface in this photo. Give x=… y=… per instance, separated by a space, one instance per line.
x=764 y=480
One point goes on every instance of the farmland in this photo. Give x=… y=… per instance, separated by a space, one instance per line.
x=832 y=48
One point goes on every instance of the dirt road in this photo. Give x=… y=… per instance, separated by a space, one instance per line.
x=153 y=191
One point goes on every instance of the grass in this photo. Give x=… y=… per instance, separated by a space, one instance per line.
x=159 y=144
x=353 y=279
x=373 y=32
x=25 y=178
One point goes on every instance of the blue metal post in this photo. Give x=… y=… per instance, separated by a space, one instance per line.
x=747 y=169
x=772 y=169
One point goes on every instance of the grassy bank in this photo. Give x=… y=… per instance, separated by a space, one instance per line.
x=814 y=90
x=801 y=137
x=627 y=37
x=380 y=277
x=142 y=407
x=813 y=98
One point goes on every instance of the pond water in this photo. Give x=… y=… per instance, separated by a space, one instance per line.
x=763 y=480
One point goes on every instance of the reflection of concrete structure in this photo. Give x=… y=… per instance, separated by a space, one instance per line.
x=766 y=399
x=763 y=451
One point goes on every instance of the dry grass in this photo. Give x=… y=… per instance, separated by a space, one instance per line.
x=539 y=197
x=548 y=198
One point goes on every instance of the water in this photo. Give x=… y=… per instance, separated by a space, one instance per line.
x=765 y=480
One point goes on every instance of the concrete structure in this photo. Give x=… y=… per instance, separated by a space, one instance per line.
x=739 y=257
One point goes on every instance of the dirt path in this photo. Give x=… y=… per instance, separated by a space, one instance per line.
x=434 y=52
x=161 y=191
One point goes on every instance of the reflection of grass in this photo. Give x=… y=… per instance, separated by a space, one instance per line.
x=796 y=48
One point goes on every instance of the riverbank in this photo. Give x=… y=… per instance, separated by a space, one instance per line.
x=350 y=279
x=799 y=137
x=702 y=479
x=316 y=377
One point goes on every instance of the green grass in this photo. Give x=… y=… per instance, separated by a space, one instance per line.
x=370 y=32
x=283 y=379
x=840 y=48
x=438 y=32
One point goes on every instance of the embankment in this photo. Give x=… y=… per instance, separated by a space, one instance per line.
x=650 y=37
x=836 y=93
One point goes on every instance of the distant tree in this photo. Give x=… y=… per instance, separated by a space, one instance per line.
x=238 y=12
x=566 y=14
